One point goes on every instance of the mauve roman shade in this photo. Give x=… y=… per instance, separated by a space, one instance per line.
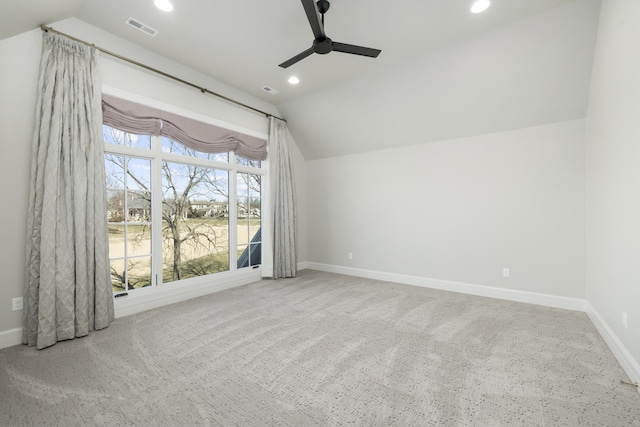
x=140 y=119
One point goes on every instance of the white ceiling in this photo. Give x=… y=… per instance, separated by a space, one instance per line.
x=442 y=73
x=18 y=16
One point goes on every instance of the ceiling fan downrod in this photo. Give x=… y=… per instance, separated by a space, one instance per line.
x=322 y=45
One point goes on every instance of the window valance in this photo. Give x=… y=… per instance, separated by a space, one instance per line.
x=141 y=119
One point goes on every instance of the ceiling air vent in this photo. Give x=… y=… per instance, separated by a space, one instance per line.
x=271 y=90
x=142 y=27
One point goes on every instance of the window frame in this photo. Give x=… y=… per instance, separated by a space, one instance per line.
x=156 y=156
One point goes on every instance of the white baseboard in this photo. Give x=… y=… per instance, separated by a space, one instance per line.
x=147 y=299
x=10 y=338
x=626 y=360
x=555 y=301
x=303 y=265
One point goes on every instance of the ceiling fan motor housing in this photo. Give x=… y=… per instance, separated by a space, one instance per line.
x=323 y=46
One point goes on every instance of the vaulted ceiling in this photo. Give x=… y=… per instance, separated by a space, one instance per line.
x=443 y=72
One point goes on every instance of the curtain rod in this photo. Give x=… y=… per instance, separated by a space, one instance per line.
x=162 y=73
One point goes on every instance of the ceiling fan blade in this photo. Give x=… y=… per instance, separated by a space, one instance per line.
x=356 y=50
x=314 y=19
x=298 y=57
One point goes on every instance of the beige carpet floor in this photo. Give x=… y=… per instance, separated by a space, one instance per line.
x=325 y=350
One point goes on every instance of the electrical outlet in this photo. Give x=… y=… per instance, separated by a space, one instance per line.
x=506 y=272
x=16 y=304
x=350 y=255
x=625 y=321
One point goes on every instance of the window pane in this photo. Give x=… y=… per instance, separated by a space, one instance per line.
x=218 y=180
x=254 y=232
x=246 y=162
x=243 y=232
x=254 y=185
x=195 y=221
x=139 y=272
x=243 y=208
x=114 y=170
x=118 y=276
x=115 y=136
x=115 y=205
x=197 y=255
x=242 y=256
x=249 y=255
x=116 y=240
x=255 y=254
x=249 y=185
x=139 y=206
x=248 y=232
x=138 y=174
x=112 y=136
x=173 y=147
x=255 y=208
x=243 y=185
x=170 y=146
x=138 y=240
x=139 y=141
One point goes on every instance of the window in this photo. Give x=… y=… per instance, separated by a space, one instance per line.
x=249 y=219
x=176 y=213
x=129 y=221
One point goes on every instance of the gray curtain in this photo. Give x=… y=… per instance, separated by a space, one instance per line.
x=67 y=282
x=283 y=201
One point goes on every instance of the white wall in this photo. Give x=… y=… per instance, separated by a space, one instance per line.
x=459 y=210
x=613 y=177
x=18 y=83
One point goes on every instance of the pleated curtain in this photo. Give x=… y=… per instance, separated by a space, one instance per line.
x=67 y=281
x=283 y=201
x=132 y=117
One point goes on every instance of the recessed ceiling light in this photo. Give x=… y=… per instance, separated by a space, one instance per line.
x=163 y=5
x=293 y=80
x=480 y=6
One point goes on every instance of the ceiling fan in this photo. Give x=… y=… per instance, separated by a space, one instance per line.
x=323 y=44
